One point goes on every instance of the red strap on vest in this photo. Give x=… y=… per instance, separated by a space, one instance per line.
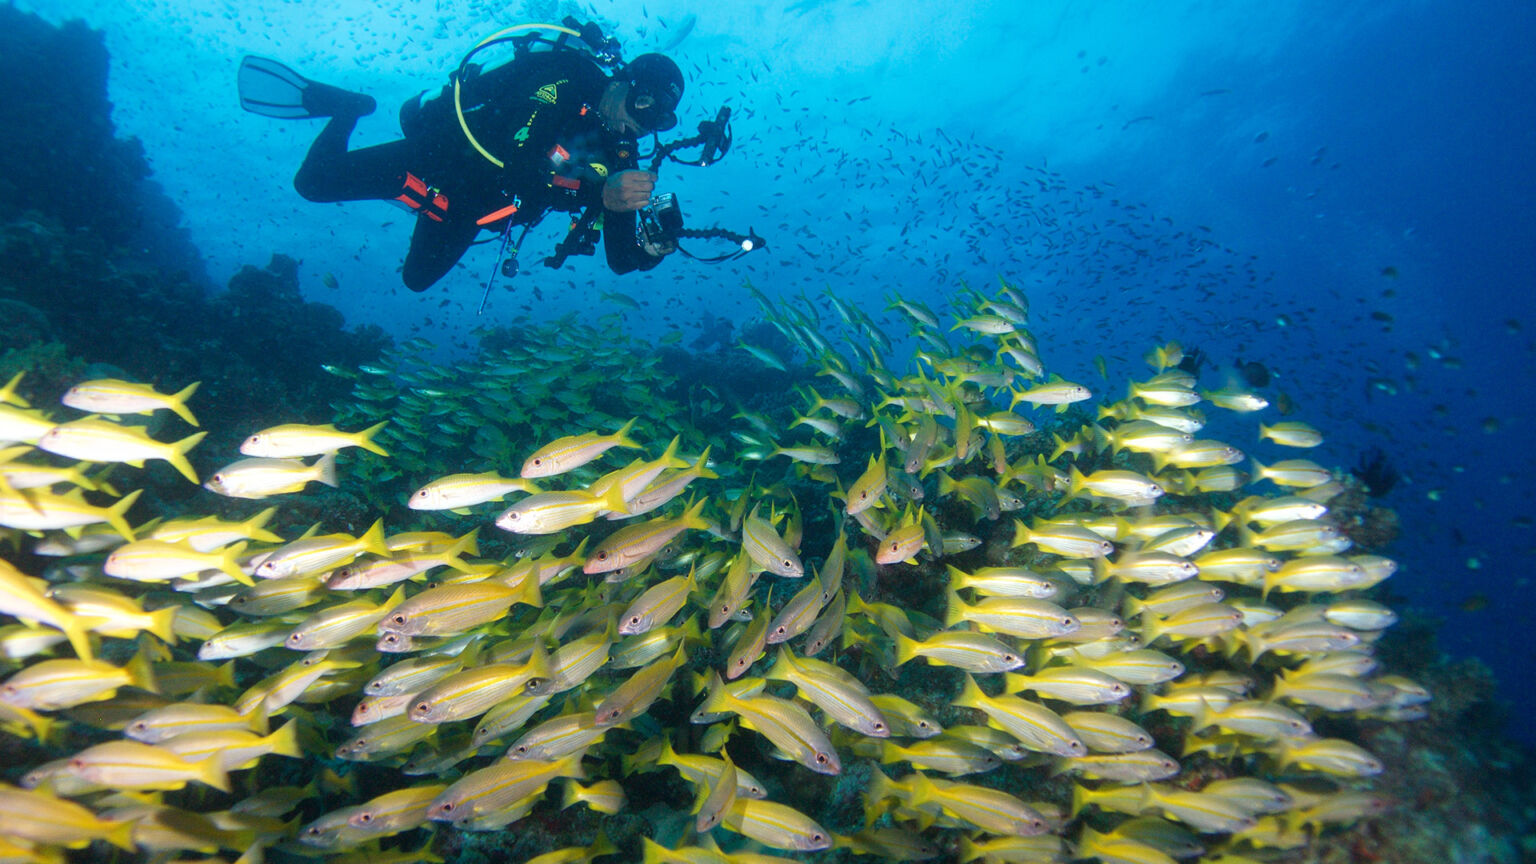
x=417 y=196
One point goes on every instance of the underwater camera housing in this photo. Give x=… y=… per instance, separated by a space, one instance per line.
x=659 y=224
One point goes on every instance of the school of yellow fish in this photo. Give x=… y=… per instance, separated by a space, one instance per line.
x=1158 y=606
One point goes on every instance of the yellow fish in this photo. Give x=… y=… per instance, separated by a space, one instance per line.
x=114 y=396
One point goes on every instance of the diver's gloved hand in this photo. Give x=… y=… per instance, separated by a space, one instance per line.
x=628 y=191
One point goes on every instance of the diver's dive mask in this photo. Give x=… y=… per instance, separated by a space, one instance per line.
x=655 y=89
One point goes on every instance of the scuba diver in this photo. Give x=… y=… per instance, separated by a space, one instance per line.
x=549 y=129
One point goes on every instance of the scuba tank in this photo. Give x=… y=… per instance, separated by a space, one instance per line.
x=430 y=112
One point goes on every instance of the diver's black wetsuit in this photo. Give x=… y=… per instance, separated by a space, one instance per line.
x=538 y=113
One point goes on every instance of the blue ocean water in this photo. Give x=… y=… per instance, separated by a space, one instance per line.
x=1341 y=192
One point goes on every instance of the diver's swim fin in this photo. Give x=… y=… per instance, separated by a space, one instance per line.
x=271 y=89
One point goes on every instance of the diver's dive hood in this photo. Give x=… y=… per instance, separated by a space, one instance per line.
x=656 y=88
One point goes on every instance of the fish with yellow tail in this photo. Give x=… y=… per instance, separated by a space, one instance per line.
x=55 y=684
x=314 y=554
x=294 y=440
x=1055 y=391
x=96 y=440
x=135 y=766
x=115 y=396
x=161 y=561
x=552 y=512
x=259 y=477
x=40 y=510
x=38 y=817
x=762 y=543
x=633 y=543
x=21 y=597
x=902 y=544
x=459 y=492
x=1034 y=725
x=869 y=488
x=572 y=451
x=776 y=825
x=211 y=533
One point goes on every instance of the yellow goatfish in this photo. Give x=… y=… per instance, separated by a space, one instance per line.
x=552 y=512
x=55 y=684
x=41 y=818
x=293 y=440
x=20 y=596
x=139 y=767
x=39 y=510
x=462 y=491
x=114 y=396
x=573 y=451
x=259 y=477
x=97 y=440
x=635 y=542
x=161 y=561
x=767 y=549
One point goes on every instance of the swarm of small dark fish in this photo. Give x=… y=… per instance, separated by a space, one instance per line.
x=1097 y=592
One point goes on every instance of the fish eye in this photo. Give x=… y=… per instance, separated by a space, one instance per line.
x=821 y=758
x=878 y=726
x=522 y=748
x=423 y=707
x=816 y=837
x=601 y=556
x=538 y=462
x=634 y=620
x=399 y=619
x=448 y=807
x=365 y=818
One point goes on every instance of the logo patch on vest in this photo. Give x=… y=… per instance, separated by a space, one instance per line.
x=548 y=93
